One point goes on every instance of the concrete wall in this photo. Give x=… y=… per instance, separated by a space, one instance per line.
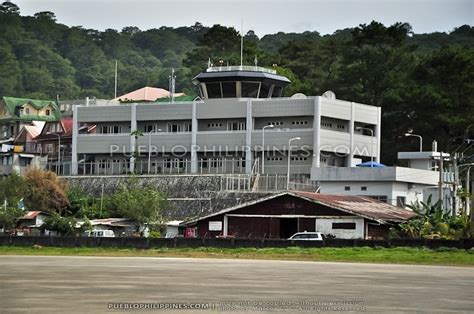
x=325 y=226
x=190 y=195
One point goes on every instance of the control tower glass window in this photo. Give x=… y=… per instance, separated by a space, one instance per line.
x=264 y=89
x=214 y=90
x=228 y=89
x=277 y=91
x=250 y=89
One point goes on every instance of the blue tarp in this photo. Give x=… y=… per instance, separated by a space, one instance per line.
x=371 y=164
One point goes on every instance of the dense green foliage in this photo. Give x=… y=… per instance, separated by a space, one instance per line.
x=44 y=191
x=434 y=223
x=422 y=82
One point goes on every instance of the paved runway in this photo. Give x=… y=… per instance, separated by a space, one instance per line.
x=33 y=284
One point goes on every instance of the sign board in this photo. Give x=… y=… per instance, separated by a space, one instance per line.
x=215 y=225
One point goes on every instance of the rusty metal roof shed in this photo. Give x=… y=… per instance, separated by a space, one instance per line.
x=361 y=206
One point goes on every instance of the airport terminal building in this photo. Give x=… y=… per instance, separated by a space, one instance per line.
x=238 y=124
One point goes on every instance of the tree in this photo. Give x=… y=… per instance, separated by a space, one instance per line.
x=46 y=191
x=434 y=223
x=144 y=205
x=63 y=225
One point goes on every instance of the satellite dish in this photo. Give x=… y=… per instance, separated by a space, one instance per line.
x=329 y=94
x=298 y=96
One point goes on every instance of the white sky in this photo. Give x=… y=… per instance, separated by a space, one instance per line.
x=262 y=16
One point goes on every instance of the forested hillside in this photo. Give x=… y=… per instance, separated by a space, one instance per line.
x=423 y=82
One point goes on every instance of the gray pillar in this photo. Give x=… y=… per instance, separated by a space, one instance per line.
x=248 y=138
x=350 y=160
x=317 y=132
x=194 y=127
x=378 y=132
x=75 y=132
x=133 y=127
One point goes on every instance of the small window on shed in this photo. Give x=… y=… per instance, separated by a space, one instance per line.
x=363 y=188
x=344 y=225
x=347 y=188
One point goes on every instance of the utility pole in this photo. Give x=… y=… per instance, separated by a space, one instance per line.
x=172 y=85
x=441 y=198
x=115 y=90
x=455 y=183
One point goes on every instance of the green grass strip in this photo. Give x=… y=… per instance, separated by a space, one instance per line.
x=399 y=255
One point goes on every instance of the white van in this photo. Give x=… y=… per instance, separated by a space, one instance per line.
x=99 y=233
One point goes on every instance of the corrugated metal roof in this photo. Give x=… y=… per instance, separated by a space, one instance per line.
x=32 y=214
x=362 y=206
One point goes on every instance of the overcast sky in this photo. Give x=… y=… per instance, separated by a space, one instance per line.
x=262 y=16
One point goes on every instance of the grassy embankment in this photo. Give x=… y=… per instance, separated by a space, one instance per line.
x=402 y=255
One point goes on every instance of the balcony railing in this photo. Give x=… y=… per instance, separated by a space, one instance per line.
x=241 y=68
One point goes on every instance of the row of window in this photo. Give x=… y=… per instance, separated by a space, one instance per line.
x=27 y=111
x=167 y=163
x=299 y=122
x=186 y=126
x=348 y=188
x=292 y=158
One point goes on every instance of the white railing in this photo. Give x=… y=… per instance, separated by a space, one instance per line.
x=241 y=68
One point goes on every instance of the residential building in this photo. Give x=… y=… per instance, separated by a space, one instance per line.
x=31 y=222
x=15 y=113
x=224 y=132
x=284 y=214
x=49 y=140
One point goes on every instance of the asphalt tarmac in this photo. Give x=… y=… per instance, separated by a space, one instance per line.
x=36 y=284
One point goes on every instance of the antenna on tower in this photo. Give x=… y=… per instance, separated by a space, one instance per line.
x=172 y=85
x=115 y=80
x=241 y=41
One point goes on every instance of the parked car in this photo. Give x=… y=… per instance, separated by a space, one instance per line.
x=100 y=233
x=307 y=236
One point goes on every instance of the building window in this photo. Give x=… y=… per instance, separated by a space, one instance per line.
x=275 y=123
x=21 y=111
x=347 y=188
x=344 y=225
x=235 y=126
x=27 y=110
x=113 y=129
x=275 y=158
x=48 y=112
x=150 y=128
x=174 y=127
x=299 y=122
x=341 y=126
x=187 y=127
x=401 y=201
x=49 y=148
x=299 y=158
x=363 y=188
x=214 y=125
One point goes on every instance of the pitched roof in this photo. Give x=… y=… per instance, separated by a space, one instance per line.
x=66 y=124
x=32 y=214
x=361 y=206
x=34 y=130
x=12 y=103
x=146 y=93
